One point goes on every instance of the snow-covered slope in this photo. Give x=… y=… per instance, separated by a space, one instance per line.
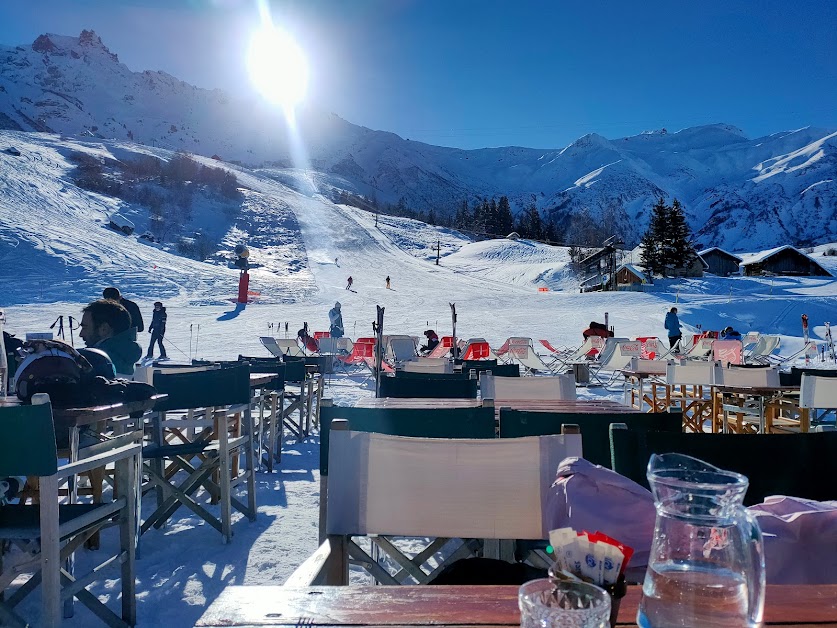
x=739 y=193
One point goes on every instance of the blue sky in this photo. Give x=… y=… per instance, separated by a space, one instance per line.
x=476 y=73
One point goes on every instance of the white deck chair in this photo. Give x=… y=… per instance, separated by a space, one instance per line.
x=573 y=356
x=415 y=487
x=427 y=365
x=557 y=387
x=400 y=349
x=727 y=351
x=521 y=351
x=280 y=347
x=764 y=348
x=328 y=345
x=615 y=357
x=818 y=393
x=701 y=350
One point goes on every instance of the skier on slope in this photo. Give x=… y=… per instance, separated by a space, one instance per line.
x=157 y=329
x=349 y=283
x=388 y=282
x=335 y=317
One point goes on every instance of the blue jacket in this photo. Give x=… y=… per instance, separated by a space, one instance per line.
x=672 y=324
x=733 y=335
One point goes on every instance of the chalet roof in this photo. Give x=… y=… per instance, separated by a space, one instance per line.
x=633 y=269
x=595 y=257
x=720 y=250
x=757 y=258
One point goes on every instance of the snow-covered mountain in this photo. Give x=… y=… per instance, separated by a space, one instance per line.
x=739 y=193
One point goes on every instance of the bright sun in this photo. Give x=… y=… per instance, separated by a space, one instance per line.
x=278 y=67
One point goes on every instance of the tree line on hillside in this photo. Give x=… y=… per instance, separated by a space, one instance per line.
x=489 y=218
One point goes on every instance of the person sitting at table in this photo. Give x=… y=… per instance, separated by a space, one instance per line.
x=106 y=325
x=730 y=334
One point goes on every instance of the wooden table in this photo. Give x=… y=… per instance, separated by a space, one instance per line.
x=769 y=401
x=455 y=606
x=635 y=395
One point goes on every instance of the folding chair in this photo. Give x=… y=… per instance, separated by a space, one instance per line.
x=271 y=400
x=818 y=393
x=764 y=348
x=477 y=349
x=747 y=412
x=426 y=365
x=443 y=348
x=521 y=351
x=428 y=388
x=51 y=532
x=701 y=349
x=213 y=405
x=727 y=351
x=557 y=387
x=280 y=347
x=615 y=357
x=689 y=385
x=382 y=486
x=400 y=349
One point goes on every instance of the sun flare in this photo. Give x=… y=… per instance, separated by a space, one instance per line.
x=278 y=67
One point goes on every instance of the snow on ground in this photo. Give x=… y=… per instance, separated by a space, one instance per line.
x=56 y=255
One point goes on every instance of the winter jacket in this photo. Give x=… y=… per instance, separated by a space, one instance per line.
x=672 y=324
x=336 y=320
x=158 y=321
x=134 y=311
x=123 y=351
x=730 y=335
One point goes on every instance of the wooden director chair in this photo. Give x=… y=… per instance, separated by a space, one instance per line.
x=385 y=486
x=50 y=532
x=196 y=430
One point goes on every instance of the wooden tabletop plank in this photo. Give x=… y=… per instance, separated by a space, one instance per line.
x=454 y=606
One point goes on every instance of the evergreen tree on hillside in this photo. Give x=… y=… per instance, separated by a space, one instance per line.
x=505 y=220
x=654 y=241
x=681 y=252
x=667 y=242
x=463 y=217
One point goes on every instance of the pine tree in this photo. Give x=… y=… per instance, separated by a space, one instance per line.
x=680 y=252
x=505 y=220
x=654 y=245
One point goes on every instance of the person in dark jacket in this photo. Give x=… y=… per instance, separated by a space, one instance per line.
x=106 y=325
x=432 y=341
x=730 y=334
x=157 y=329
x=596 y=329
x=133 y=309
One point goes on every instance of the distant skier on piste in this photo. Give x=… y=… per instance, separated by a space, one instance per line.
x=349 y=283
x=388 y=282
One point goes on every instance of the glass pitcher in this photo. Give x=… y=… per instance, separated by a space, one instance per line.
x=707 y=559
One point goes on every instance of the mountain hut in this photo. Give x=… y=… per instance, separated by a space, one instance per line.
x=720 y=262
x=784 y=260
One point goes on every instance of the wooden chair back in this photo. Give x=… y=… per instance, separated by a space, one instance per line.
x=776 y=464
x=395 y=485
x=27 y=447
x=737 y=376
x=818 y=392
x=557 y=387
x=428 y=388
x=203 y=389
x=595 y=428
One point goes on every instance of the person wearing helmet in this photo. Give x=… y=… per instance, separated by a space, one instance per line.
x=157 y=329
x=133 y=309
x=106 y=325
x=335 y=317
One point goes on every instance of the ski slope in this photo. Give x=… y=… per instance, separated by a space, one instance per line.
x=57 y=254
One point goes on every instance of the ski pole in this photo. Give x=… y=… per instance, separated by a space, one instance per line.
x=190 y=342
x=170 y=343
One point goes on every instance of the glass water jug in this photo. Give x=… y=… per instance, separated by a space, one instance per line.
x=707 y=558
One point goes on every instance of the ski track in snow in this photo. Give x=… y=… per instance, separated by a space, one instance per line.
x=56 y=255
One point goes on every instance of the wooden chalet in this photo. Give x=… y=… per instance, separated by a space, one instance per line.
x=629 y=277
x=719 y=262
x=784 y=260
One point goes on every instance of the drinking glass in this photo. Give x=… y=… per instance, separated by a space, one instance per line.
x=548 y=603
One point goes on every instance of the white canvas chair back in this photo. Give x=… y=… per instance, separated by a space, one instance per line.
x=557 y=387
x=394 y=485
x=691 y=373
x=269 y=343
x=686 y=343
x=345 y=344
x=592 y=342
x=524 y=354
x=401 y=348
x=652 y=367
x=428 y=365
x=758 y=377
x=618 y=352
x=750 y=339
x=818 y=392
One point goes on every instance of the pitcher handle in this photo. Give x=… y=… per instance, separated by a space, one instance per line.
x=753 y=551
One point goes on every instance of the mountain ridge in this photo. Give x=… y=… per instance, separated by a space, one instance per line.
x=738 y=193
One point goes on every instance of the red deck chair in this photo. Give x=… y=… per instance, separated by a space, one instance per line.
x=443 y=348
x=477 y=351
x=362 y=349
x=321 y=334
